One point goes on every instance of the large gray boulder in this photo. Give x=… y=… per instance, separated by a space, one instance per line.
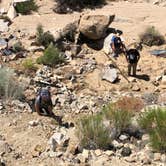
x=110 y=74
x=94 y=26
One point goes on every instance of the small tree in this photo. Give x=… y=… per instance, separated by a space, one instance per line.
x=26 y=7
x=43 y=38
x=51 y=56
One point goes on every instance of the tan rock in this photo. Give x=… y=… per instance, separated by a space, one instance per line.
x=94 y=26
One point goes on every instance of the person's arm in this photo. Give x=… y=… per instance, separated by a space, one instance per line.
x=138 y=56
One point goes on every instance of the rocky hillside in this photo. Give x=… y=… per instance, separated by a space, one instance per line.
x=82 y=85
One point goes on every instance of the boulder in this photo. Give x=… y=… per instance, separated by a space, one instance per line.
x=110 y=74
x=94 y=26
x=11 y=12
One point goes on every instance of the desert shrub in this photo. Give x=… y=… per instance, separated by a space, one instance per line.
x=29 y=65
x=154 y=122
x=129 y=103
x=92 y=133
x=119 y=118
x=65 y=6
x=152 y=37
x=26 y=7
x=51 y=56
x=17 y=47
x=9 y=86
x=43 y=38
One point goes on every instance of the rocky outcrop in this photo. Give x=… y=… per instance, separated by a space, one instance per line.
x=94 y=26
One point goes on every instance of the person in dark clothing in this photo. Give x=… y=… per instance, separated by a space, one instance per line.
x=43 y=103
x=132 y=57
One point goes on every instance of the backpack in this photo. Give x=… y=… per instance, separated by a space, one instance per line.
x=117 y=42
x=45 y=94
x=132 y=55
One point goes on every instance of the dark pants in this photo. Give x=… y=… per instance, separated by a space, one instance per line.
x=133 y=67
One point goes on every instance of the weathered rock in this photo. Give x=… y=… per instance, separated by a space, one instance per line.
x=4 y=26
x=135 y=88
x=58 y=139
x=33 y=123
x=123 y=137
x=163 y=81
x=36 y=48
x=94 y=26
x=157 y=156
x=3 y=43
x=11 y=12
x=126 y=151
x=116 y=144
x=110 y=74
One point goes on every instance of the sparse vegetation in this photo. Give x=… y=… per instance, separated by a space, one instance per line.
x=119 y=118
x=51 y=56
x=29 y=65
x=26 y=7
x=152 y=37
x=43 y=38
x=92 y=132
x=154 y=122
x=9 y=86
x=65 y=6
x=17 y=47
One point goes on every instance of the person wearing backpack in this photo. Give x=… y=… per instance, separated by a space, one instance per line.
x=132 y=57
x=114 y=44
x=43 y=103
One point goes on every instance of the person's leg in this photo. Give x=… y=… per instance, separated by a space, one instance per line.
x=129 y=69
x=134 y=69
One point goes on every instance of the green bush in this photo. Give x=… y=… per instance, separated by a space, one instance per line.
x=17 y=47
x=119 y=118
x=29 y=65
x=9 y=86
x=26 y=7
x=152 y=37
x=51 y=56
x=43 y=38
x=92 y=132
x=154 y=122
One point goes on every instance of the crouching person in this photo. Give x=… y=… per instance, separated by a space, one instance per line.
x=132 y=57
x=43 y=103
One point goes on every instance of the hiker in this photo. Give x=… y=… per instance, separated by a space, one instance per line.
x=114 y=44
x=43 y=103
x=132 y=57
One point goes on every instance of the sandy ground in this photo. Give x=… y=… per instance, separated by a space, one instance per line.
x=132 y=19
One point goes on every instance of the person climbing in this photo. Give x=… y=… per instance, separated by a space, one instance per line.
x=132 y=57
x=114 y=44
x=43 y=103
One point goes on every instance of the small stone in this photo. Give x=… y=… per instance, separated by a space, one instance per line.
x=33 y=123
x=116 y=144
x=157 y=156
x=98 y=152
x=136 y=88
x=163 y=158
x=123 y=137
x=109 y=152
x=126 y=151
